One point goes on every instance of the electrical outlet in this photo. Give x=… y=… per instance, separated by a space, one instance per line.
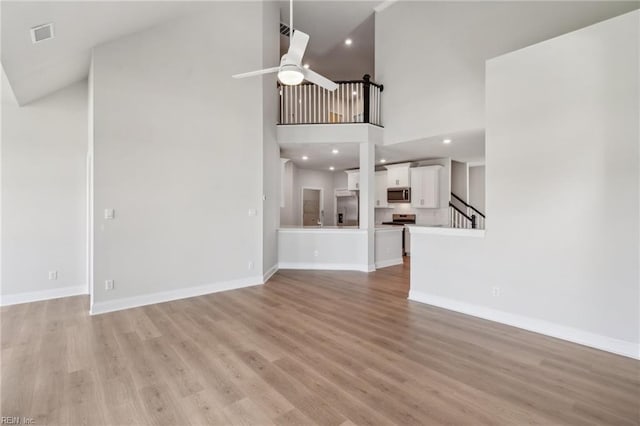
x=108 y=285
x=495 y=291
x=53 y=275
x=250 y=265
x=316 y=253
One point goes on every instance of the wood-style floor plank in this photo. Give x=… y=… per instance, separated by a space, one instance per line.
x=307 y=348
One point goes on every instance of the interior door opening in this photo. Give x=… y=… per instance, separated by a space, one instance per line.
x=311 y=207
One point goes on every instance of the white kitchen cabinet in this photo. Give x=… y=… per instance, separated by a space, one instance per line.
x=398 y=175
x=425 y=187
x=381 y=190
x=353 y=180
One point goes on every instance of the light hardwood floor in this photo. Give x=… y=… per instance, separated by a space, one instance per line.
x=326 y=348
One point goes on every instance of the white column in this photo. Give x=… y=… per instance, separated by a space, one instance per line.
x=367 y=195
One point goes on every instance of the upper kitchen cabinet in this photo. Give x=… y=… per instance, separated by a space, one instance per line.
x=381 y=189
x=398 y=175
x=425 y=187
x=353 y=180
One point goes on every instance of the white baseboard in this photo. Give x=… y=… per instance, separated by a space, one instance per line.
x=390 y=262
x=616 y=346
x=267 y=275
x=36 y=296
x=327 y=266
x=167 y=296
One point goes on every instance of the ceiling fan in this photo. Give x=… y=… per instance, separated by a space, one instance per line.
x=290 y=72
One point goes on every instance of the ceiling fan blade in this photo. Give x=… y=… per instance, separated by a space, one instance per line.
x=254 y=73
x=297 y=47
x=321 y=81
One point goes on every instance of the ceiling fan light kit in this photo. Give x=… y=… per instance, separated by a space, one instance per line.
x=290 y=75
x=290 y=71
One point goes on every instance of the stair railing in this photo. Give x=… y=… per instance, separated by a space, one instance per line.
x=471 y=217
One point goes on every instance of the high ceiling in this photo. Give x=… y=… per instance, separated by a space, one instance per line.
x=36 y=70
x=329 y=24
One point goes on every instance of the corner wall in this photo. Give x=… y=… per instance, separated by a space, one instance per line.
x=178 y=153
x=43 y=195
x=562 y=149
x=271 y=149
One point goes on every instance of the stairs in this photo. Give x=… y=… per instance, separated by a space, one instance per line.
x=464 y=215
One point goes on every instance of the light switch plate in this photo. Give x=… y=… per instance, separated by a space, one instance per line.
x=109 y=214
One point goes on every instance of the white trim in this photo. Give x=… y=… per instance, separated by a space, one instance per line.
x=167 y=296
x=389 y=262
x=454 y=232
x=616 y=346
x=36 y=296
x=267 y=275
x=327 y=266
x=323 y=229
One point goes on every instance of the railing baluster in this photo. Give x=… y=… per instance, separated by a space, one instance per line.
x=295 y=104
x=284 y=102
x=377 y=104
x=350 y=96
x=340 y=94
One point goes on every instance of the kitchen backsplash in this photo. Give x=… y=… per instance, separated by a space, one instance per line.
x=423 y=216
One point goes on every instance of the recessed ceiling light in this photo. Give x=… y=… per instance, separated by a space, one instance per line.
x=334 y=151
x=446 y=141
x=332 y=168
x=306 y=66
x=305 y=158
x=348 y=42
x=383 y=161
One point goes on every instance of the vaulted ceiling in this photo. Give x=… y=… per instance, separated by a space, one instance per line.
x=36 y=70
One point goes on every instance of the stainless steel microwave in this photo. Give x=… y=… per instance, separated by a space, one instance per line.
x=399 y=195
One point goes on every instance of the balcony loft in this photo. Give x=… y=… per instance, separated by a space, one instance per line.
x=354 y=102
x=309 y=114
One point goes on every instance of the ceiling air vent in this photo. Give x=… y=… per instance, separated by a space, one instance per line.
x=41 y=33
x=284 y=29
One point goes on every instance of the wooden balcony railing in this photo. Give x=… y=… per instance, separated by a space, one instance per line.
x=356 y=101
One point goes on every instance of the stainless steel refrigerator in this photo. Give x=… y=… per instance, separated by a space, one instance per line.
x=346 y=208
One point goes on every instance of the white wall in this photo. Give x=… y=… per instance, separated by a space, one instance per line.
x=562 y=149
x=477 y=187
x=43 y=195
x=322 y=248
x=271 y=149
x=460 y=179
x=433 y=67
x=179 y=156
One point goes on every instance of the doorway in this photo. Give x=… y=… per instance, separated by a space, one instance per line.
x=312 y=211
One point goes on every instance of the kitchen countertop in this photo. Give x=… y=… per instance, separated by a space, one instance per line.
x=446 y=230
x=334 y=228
